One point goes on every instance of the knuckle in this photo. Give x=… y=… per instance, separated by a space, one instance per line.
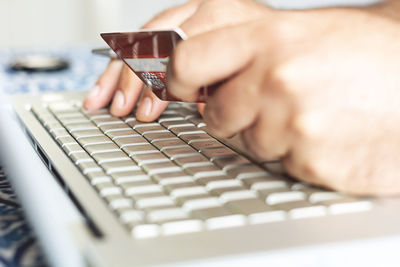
x=285 y=31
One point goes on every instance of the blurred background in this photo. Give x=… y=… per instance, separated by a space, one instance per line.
x=44 y=23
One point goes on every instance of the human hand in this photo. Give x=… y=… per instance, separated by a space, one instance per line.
x=120 y=86
x=317 y=89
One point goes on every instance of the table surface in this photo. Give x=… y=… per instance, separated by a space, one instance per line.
x=18 y=245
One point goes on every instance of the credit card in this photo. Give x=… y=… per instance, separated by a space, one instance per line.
x=147 y=53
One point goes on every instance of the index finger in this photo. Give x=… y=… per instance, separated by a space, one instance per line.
x=208 y=58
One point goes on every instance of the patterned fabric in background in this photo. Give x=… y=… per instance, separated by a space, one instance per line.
x=18 y=246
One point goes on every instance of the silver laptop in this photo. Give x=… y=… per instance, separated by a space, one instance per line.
x=108 y=191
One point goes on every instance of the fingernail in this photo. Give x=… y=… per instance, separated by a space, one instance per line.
x=119 y=99
x=94 y=92
x=145 y=107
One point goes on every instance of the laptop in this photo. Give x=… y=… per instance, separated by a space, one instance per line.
x=168 y=192
x=107 y=191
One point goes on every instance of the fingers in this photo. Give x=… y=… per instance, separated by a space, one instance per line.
x=150 y=106
x=200 y=108
x=102 y=93
x=206 y=59
x=124 y=93
x=235 y=105
x=127 y=93
x=268 y=137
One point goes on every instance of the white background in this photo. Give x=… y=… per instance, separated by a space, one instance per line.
x=31 y=23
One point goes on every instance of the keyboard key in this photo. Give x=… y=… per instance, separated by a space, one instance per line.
x=136 y=149
x=71 y=148
x=207 y=179
x=78 y=120
x=151 y=129
x=182 y=227
x=347 y=205
x=202 y=203
x=228 y=221
x=169 y=117
x=161 y=167
x=219 y=152
x=179 y=131
x=66 y=140
x=95 y=140
x=130 y=140
x=163 y=178
x=123 y=133
x=120 y=166
x=57 y=133
x=137 y=124
x=146 y=231
x=189 y=138
x=253 y=180
x=324 y=196
x=192 y=161
x=282 y=197
x=96 y=112
x=224 y=184
x=269 y=185
x=98 y=177
x=170 y=187
x=248 y=206
x=301 y=209
x=139 y=196
x=100 y=121
x=238 y=195
x=174 y=153
x=230 y=161
x=144 y=189
x=208 y=213
x=114 y=127
x=152 y=137
x=79 y=157
x=118 y=202
x=80 y=127
x=154 y=202
x=148 y=158
x=166 y=215
x=199 y=145
x=188 y=191
x=177 y=180
x=176 y=123
x=106 y=189
x=246 y=171
x=89 y=166
x=131 y=215
x=127 y=185
x=101 y=148
x=129 y=176
x=204 y=171
x=110 y=156
x=172 y=143
x=86 y=133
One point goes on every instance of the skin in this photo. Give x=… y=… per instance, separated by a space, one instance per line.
x=317 y=89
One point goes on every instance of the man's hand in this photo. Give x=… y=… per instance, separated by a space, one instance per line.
x=318 y=89
x=121 y=88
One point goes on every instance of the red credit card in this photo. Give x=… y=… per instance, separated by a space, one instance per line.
x=147 y=52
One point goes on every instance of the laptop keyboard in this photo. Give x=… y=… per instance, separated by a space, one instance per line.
x=172 y=177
